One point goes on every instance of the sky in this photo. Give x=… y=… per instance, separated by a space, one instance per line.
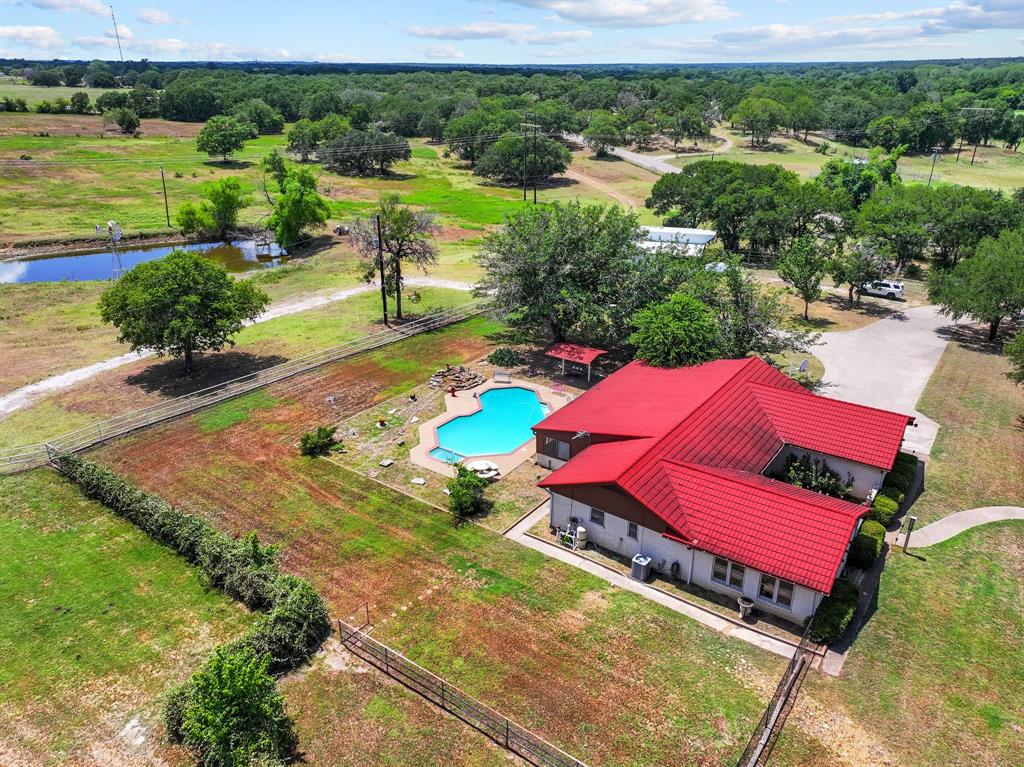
x=514 y=31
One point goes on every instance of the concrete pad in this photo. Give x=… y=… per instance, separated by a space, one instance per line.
x=887 y=365
x=954 y=524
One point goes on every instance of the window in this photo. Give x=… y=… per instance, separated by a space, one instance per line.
x=728 y=573
x=776 y=590
x=557 y=448
x=631 y=530
x=597 y=517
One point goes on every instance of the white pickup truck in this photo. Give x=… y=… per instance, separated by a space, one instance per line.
x=884 y=288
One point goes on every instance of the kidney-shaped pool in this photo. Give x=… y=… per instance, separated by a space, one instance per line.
x=501 y=425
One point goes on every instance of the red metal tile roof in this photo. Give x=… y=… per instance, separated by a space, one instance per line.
x=723 y=422
x=574 y=353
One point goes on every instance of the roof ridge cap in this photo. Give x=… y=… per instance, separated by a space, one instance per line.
x=689 y=415
x=831 y=399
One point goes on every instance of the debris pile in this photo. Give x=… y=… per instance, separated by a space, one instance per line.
x=458 y=377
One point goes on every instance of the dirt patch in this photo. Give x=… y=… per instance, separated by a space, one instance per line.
x=89 y=125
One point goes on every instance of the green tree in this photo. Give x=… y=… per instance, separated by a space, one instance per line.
x=466 y=498
x=681 y=331
x=259 y=113
x=226 y=199
x=180 y=305
x=467 y=135
x=73 y=74
x=110 y=100
x=297 y=208
x=688 y=124
x=803 y=266
x=641 y=133
x=80 y=103
x=899 y=217
x=804 y=115
x=125 y=119
x=222 y=136
x=865 y=261
x=760 y=117
x=273 y=163
x=233 y=715
x=860 y=178
x=193 y=219
x=602 y=132
x=303 y=139
x=960 y=217
x=145 y=101
x=504 y=159
x=364 y=153
x=988 y=287
x=405 y=238
x=98 y=75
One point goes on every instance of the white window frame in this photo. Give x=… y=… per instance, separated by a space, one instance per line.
x=776 y=585
x=633 y=531
x=729 y=569
x=597 y=517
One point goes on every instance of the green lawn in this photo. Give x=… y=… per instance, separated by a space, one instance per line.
x=936 y=673
x=96 y=622
x=978 y=454
x=33 y=94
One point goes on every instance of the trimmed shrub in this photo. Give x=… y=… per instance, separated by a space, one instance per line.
x=867 y=546
x=883 y=510
x=174 y=710
x=893 y=494
x=815 y=474
x=835 y=612
x=899 y=481
x=504 y=357
x=319 y=442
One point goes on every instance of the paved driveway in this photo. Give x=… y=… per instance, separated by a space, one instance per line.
x=887 y=365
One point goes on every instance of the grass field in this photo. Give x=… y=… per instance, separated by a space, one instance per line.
x=33 y=94
x=994 y=167
x=96 y=623
x=978 y=457
x=936 y=672
x=258 y=346
x=590 y=668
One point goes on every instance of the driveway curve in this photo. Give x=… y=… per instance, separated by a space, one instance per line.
x=887 y=365
x=954 y=524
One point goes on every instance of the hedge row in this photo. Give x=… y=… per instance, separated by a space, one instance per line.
x=867 y=546
x=835 y=612
x=889 y=499
x=296 y=620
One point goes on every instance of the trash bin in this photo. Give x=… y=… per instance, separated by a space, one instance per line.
x=641 y=570
x=746 y=606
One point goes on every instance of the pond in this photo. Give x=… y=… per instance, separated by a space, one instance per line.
x=238 y=257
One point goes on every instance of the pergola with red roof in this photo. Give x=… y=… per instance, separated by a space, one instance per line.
x=581 y=355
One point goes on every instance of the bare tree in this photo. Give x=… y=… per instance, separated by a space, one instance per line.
x=404 y=237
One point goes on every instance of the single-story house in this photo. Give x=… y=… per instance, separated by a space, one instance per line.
x=689 y=242
x=676 y=464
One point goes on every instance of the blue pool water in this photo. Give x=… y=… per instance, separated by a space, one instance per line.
x=500 y=426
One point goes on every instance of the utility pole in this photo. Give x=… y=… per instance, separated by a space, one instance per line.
x=116 y=35
x=167 y=210
x=967 y=113
x=935 y=156
x=535 y=128
x=532 y=127
x=380 y=264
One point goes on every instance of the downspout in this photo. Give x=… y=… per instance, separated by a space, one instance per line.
x=689 y=571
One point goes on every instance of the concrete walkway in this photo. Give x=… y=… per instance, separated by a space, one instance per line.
x=26 y=395
x=712 y=620
x=887 y=365
x=954 y=524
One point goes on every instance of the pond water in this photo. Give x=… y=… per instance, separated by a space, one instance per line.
x=238 y=257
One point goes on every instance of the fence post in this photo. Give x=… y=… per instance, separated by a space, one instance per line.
x=443 y=704
x=506 y=734
x=387 y=664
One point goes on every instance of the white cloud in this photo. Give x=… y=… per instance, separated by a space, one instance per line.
x=107 y=39
x=634 y=13
x=960 y=16
x=157 y=17
x=480 y=30
x=441 y=52
x=212 y=51
x=69 y=6
x=39 y=38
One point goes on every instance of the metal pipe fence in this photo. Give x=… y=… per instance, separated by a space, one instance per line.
x=28 y=456
x=498 y=728
x=766 y=733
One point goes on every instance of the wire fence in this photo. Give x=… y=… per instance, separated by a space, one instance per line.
x=766 y=733
x=498 y=728
x=28 y=456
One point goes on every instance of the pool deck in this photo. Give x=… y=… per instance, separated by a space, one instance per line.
x=464 y=403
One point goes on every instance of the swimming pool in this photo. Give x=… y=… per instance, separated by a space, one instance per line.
x=502 y=424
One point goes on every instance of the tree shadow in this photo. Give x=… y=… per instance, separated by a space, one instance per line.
x=866 y=308
x=606 y=158
x=169 y=378
x=311 y=247
x=228 y=164
x=975 y=337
